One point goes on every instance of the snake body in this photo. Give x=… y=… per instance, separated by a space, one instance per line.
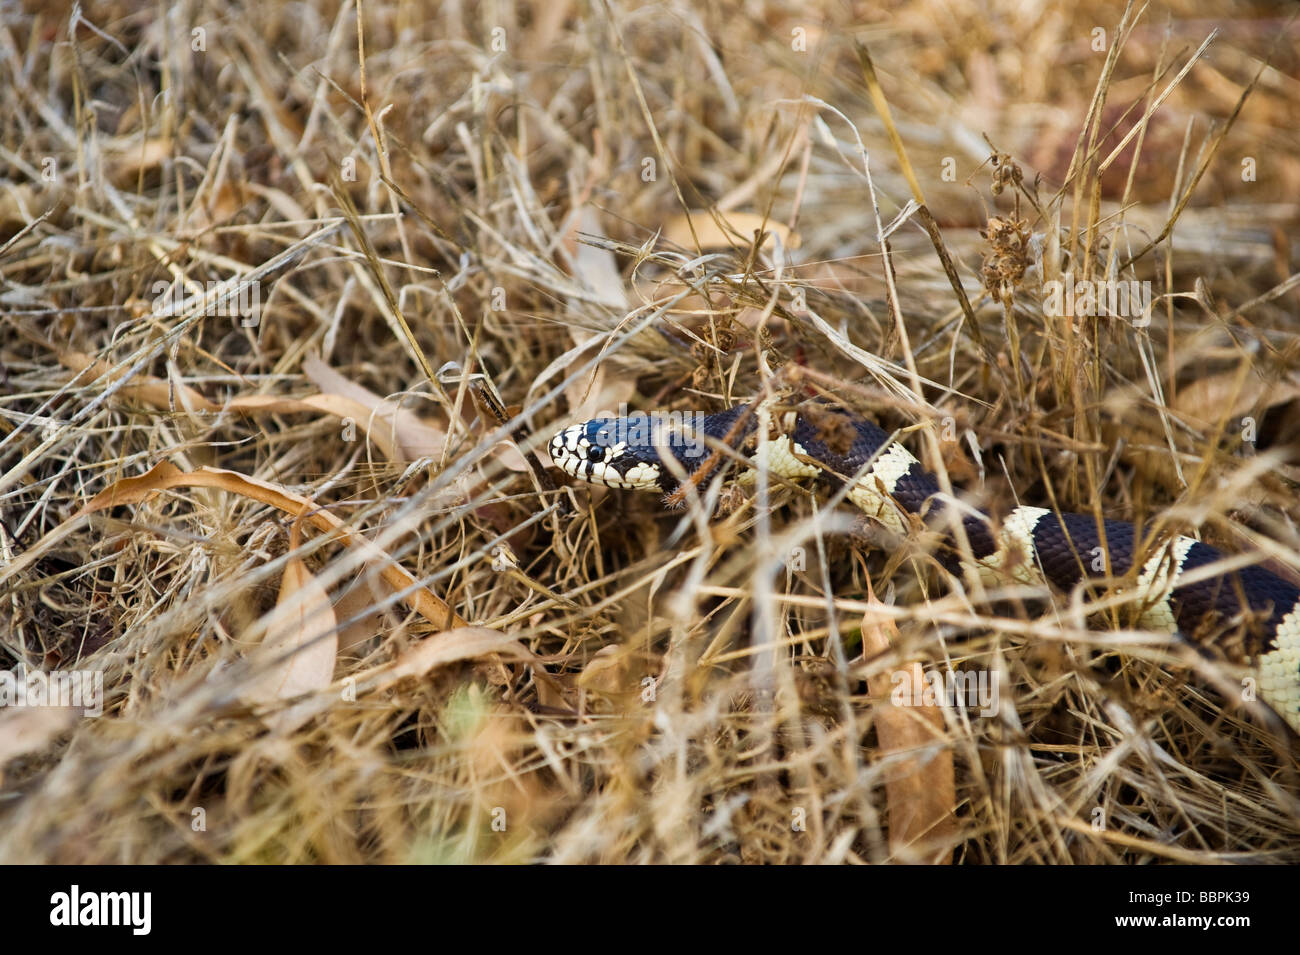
x=1032 y=545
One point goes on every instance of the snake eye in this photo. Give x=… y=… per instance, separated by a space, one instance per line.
x=596 y=454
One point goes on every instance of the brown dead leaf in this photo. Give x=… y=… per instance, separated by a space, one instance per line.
x=735 y=231
x=216 y=209
x=381 y=429
x=607 y=671
x=166 y=475
x=138 y=157
x=298 y=653
x=146 y=390
x=399 y=434
x=29 y=729
x=921 y=790
x=1207 y=399
x=359 y=603
x=615 y=672
x=462 y=643
x=408 y=433
x=595 y=268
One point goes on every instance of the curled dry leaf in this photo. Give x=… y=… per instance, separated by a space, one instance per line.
x=735 y=230
x=137 y=157
x=165 y=475
x=410 y=435
x=360 y=602
x=398 y=433
x=463 y=643
x=616 y=673
x=298 y=652
x=920 y=790
x=145 y=390
x=1207 y=399
x=595 y=268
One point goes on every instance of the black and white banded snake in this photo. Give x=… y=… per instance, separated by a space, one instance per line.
x=1030 y=545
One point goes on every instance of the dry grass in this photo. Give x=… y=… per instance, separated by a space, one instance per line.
x=429 y=211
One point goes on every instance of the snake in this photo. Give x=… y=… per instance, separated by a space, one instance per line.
x=664 y=452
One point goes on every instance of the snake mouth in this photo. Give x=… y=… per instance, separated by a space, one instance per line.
x=575 y=453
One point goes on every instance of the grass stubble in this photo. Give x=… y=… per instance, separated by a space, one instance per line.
x=288 y=306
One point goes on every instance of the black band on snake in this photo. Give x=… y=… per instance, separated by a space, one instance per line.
x=1031 y=545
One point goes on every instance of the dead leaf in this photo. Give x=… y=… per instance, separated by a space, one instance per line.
x=29 y=729
x=298 y=653
x=463 y=643
x=145 y=390
x=381 y=429
x=410 y=434
x=595 y=268
x=736 y=230
x=1207 y=399
x=920 y=791
x=138 y=157
x=399 y=434
x=359 y=603
x=166 y=475
x=614 y=672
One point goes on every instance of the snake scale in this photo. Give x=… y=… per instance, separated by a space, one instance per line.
x=1031 y=545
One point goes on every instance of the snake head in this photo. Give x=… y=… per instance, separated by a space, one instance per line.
x=615 y=452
